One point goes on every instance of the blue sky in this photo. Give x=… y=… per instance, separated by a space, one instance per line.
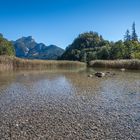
x=60 y=21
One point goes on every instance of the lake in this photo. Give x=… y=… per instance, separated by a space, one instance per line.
x=58 y=105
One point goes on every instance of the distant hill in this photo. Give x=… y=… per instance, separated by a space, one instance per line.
x=92 y=46
x=27 y=47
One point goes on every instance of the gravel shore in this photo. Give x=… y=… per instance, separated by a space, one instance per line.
x=69 y=106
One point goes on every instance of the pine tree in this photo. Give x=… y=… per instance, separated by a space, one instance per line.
x=127 y=36
x=134 y=36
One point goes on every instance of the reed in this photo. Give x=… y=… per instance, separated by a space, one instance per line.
x=12 y=63
x=127 y=64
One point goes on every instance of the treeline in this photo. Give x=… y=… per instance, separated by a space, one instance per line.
x=91 y=46
x=6 y=47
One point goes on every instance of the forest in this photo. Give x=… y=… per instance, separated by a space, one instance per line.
x=92 y=46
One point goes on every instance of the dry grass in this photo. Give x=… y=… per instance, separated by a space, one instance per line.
x=128 y=64
x=6 y=63
x=11 y=63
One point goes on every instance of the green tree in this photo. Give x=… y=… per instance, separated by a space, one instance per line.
x=92 y=55
x=84 y=42
x=90 y=46
x=134 y=36
x=117 y=50
x=104 y=53
x=83 y=56
x=135 y=50
x=127 y=36
x=6 y=47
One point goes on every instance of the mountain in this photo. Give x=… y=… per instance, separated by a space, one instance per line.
x=40 y=51
x=23 y=45
x=27 y=47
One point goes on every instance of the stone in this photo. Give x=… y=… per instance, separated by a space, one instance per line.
x=90 y=75
x=99 y=74
x=123 y=69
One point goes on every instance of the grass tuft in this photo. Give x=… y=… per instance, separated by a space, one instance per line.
x=13 y=63
x=127 y=64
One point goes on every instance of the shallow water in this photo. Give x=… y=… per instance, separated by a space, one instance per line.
x=69 y=105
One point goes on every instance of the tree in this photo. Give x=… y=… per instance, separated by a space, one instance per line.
x=134 y=36
x=92 y=55
x=6 y=47
x=127 y=36
x=117 y=50
x=83 y=56
x=91 y=46
x=104 y=53
x=135 y=50
x=83 y=43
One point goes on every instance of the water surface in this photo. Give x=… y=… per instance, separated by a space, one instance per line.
x=69 y=105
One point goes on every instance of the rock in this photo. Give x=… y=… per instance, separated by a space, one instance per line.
x=99 y=74
x=108 y=72
x=17 y=124
x=123 y=69
x=90 y=75
x=102 y=74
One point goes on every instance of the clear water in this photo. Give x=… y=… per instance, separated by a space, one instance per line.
x=69 y=105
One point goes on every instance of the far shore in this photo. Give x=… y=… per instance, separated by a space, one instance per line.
x=12 y=63
x=133 y=64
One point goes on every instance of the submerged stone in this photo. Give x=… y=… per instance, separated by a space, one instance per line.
x=99 y=74
x=90 y=75
x=123 y=69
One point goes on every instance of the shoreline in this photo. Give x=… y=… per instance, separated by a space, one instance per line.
x=132 y=64
x=13 y=63
x=8 y=63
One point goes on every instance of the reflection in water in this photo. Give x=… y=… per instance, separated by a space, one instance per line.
x=68 y=104
x=6 y=79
